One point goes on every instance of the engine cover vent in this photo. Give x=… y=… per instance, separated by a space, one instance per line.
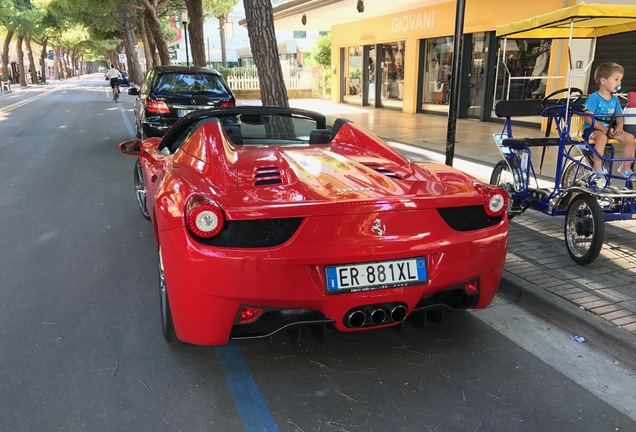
x=267 y=176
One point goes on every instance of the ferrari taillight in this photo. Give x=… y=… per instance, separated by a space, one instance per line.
x=249 y=314
x=156 y=107
x=203 y=217
x=225 y=104
x=495 y=199
x=472 y=287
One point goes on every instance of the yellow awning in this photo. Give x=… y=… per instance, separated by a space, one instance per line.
x=590 y=20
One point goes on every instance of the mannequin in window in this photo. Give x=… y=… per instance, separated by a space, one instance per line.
x=537 y=87
x=444 y=80
x=433 y=72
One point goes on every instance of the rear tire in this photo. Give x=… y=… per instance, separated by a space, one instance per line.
x=140 y=190
x=584 y=229
x=167 y=325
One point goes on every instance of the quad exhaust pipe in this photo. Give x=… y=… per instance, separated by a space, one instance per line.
x=374 y=315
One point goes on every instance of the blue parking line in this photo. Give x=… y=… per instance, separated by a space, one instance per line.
x=131 y=131
x=247 y=396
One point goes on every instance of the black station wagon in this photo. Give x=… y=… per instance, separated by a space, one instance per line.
x=170 y=92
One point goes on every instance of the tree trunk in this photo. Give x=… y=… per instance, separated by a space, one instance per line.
x=32 y=68
x=222 y=20
x=130 y=47
x=146 y=40
x=57 y=73
x=77 y=65
x=195 y=31
x=260 y=27
x=18 y=47
x=156 y=61
x=63 y=66
x=152 y=20
x=5 y=56
x=43 y=56
x=73 y=67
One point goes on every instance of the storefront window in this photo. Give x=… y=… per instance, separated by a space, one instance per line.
x=437 y=74
x=520 y=76
x=353 y=75
x=392 y=74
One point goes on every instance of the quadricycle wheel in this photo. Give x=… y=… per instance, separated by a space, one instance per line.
x=575 y=173
x=503 y=177
x=584 y=229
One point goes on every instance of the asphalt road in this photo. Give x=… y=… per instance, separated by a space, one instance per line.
x=80 y=332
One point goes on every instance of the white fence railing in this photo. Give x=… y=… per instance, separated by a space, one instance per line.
x=247 y=79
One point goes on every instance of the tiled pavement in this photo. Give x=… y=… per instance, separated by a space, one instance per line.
x=597 y=301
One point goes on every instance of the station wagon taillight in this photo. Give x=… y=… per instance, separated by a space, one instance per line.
x=155 y=107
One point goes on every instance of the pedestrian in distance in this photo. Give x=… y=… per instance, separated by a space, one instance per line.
x=115 y=76
x=604 y=105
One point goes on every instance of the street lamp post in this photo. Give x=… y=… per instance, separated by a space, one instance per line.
x=184 y=21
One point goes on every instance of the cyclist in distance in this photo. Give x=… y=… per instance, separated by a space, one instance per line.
x=114 y=75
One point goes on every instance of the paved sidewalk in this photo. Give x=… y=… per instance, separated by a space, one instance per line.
x=597 y=301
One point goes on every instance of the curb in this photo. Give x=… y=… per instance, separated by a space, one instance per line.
x=615 y=341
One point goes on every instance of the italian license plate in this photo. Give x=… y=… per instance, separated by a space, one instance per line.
x=181 y=113
x=376 y=275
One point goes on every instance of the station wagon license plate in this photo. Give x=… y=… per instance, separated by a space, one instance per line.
x=181 y=113
x=376 y=275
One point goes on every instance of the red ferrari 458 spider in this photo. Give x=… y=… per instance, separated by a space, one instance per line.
x=264 y=219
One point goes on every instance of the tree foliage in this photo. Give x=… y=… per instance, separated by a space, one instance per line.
x=321 y=52
x=220 y=10
x=101 y=30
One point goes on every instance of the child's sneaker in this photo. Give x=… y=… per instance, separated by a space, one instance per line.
x=598 y=180
x=627 y=173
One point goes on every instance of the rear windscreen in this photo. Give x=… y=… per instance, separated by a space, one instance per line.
x=189 y=83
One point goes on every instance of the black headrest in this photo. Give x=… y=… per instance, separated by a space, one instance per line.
x=319 y=136
x=234 y=134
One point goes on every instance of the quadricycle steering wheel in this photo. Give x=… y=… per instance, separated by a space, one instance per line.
x=572 y=93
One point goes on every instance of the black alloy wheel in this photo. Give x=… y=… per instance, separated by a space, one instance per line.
x=167 y=326
x=140 y=190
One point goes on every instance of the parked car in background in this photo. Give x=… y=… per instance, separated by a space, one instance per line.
x=170 y=92
x=264 y=219
x=123 y=82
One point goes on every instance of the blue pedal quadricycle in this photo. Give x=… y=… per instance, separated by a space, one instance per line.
x=586 y=200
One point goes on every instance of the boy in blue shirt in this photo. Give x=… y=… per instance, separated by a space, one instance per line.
x=603 y=102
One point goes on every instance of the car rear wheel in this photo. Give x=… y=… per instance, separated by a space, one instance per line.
x=140 y=190
x=167 y=326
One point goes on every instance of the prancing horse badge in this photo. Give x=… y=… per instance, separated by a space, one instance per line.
x=378 y=227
